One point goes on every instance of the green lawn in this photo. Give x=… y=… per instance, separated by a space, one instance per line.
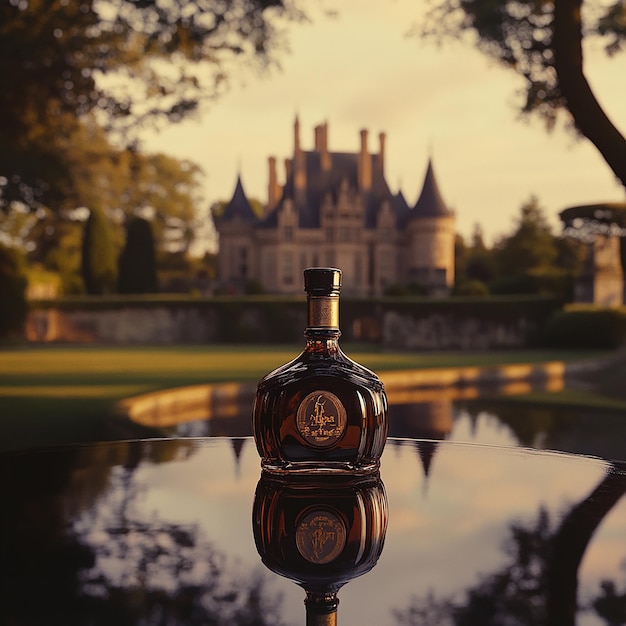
x=56 y=394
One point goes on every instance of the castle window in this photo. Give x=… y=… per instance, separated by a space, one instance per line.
x=288 y=233
x=330 y=234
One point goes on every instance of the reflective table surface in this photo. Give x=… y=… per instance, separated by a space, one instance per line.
x=186 y=531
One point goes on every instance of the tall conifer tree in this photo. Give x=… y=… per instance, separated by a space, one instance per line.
x=137 y=262
x=99 y=263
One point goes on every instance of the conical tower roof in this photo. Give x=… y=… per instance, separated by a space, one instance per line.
x=430 y=203
x=401 y=208
x=239 y=206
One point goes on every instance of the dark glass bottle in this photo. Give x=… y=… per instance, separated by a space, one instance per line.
x=320 y=533
x=322 y=412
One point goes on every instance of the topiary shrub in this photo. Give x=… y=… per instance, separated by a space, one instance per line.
x=99 y=257
x=13 y=306
x=137 y=262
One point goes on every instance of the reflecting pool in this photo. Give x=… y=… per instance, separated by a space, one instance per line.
x=441 y=414
x=165 y=531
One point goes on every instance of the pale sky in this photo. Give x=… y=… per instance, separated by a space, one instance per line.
x=361 y=71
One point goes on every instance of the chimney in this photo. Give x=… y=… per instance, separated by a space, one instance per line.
x=299 y=166
x=365 y=165
x=273 y=189
x=318 y=137
x=296 y=136
x=324 y=154
x=288 y=168
x=381 y=152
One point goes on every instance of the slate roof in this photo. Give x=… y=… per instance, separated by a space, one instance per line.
x=239 y=206
x=430 y=203
x=401 y=208
x=344 y=167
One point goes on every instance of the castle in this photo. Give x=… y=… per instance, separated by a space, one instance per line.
x=336 y=209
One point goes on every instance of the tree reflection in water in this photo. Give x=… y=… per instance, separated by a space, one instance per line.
x=101 y=563
x=539 y=584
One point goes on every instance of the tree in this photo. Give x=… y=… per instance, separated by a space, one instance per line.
x=542 y=41
x=480 y=262
x=168 y=189
x=124 y=62
x=13 y=305
x=474 y=265
x=530 y=247
x=99 y=256
x=137 y=262
x=120 y=181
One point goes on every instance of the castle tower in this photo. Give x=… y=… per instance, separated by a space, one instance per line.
x=237 y=250
x=431 y=233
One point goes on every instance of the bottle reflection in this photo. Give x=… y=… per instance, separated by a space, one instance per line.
x=320 y=533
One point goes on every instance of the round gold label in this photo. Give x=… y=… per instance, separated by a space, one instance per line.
x=321 y=536
x=321 y=419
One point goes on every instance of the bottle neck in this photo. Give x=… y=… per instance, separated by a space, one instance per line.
x=323 y=312
x=322 y=332
x=321 y=609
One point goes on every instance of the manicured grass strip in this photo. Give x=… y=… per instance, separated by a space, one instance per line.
x=61 y=394
x=69 y=391
x=232 y=362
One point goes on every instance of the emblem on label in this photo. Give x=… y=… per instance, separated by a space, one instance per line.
x=321 y=419
x=320 y=536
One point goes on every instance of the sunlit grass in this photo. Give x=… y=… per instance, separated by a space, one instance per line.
x=70 y=391
x=59 y=394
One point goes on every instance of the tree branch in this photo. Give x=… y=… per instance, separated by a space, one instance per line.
x=588 y=115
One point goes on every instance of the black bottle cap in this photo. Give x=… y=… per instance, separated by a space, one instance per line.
x=322 y=281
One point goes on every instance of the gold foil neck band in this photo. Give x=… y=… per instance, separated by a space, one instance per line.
x=323 y=311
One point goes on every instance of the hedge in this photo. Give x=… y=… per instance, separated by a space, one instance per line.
x=586 y=327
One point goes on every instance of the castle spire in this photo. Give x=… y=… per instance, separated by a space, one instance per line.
x=430 y=202
x=296 y=135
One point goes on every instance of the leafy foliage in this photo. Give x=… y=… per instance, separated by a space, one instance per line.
x=586 y=328
x=542 y=41
x=99 y=256
x=519 y=35
x=13 y=306
x=530 y=246
x=119 y=64
x=528 y=260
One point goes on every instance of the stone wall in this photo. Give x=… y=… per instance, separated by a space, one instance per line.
x=445 y=332
x=157 y=325
x=397 y=324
